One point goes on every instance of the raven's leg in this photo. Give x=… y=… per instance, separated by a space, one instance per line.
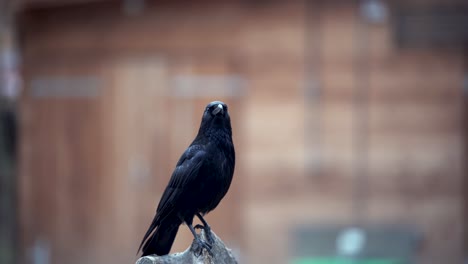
x=205 y=227
x=201 y=244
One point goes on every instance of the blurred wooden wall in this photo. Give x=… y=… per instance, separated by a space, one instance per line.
x=384 y=126
x=93 y=167
x=103 y=124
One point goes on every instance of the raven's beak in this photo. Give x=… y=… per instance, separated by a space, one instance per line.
x=218 y=109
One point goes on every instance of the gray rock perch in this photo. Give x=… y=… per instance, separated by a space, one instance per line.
x=220 y=255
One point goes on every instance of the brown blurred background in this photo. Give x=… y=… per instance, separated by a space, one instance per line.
x=350 y=124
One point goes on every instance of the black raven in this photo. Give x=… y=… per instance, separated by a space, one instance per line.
x=200 y=180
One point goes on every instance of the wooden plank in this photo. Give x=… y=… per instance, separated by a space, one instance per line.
x=61 y=171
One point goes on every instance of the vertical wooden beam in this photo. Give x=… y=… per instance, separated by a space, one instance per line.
x=8 y=78
x=464 y=126
x=313 y=87
x=361 y=120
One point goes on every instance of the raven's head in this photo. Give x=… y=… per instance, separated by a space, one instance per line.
x=216 y=115
x=216 y=108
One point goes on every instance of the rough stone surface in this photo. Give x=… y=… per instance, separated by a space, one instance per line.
x=220 y=255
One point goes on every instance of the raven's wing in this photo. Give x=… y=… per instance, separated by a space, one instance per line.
x=184 y=175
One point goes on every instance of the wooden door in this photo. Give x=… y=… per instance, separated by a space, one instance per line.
x=153 y=113
x=59 y=166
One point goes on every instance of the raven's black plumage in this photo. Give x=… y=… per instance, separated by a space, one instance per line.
x=200 y=180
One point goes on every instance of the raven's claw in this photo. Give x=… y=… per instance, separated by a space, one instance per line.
x=200 y=245
x=208 y=235
x=207 y=229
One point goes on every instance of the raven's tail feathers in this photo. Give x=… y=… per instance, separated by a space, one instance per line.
x=148 y=232
x=160 y=242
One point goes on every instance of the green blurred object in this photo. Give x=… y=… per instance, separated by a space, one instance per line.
x=338 y=260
